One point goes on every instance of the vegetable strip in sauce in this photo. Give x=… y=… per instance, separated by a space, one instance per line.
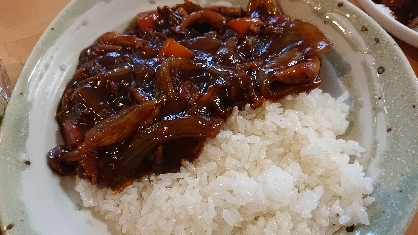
x=146 y=100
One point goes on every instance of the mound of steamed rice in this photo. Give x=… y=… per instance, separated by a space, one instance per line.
x=279 y=169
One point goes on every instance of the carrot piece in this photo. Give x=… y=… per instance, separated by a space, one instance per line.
x=146 y=20
x=241 y=25
x=173 y=48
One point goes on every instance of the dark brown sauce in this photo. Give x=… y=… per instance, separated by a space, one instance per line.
x=405 y=11
x=137 y=106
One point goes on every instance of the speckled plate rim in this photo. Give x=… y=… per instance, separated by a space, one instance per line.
x=3 y=104
x=389 y=23
x=388 y=67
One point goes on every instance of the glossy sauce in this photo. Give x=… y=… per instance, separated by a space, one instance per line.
x=144 y=101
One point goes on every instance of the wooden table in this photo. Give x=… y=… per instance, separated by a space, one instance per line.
x=22 y=23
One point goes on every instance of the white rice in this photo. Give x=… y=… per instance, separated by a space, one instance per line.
x=279 y=169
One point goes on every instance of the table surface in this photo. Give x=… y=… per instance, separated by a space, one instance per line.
x=22 y=23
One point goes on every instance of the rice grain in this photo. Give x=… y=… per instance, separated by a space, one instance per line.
x=279 y=169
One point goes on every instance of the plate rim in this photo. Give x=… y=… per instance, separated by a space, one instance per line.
x=390 y=24
x=35 y=54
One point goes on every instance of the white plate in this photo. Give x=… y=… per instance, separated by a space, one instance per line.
x=388 y=22
x=365 y=61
